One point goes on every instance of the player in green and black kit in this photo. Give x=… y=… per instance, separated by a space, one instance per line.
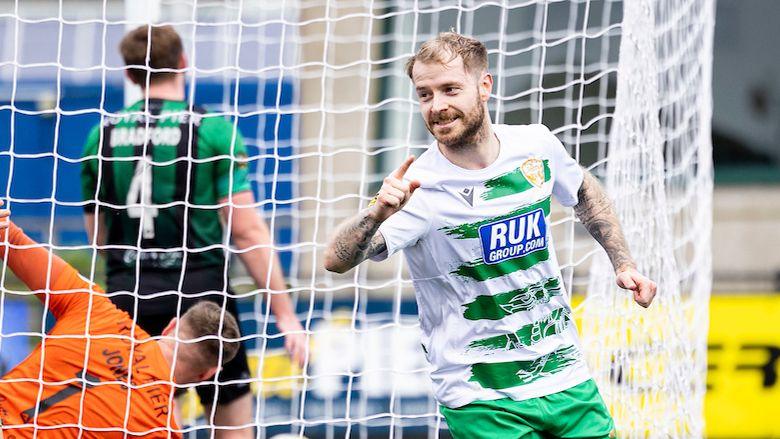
x=166 y=176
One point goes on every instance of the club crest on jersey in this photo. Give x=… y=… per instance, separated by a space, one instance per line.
x=513 y=237
x=533 y=171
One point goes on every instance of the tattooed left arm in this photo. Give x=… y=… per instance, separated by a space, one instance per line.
x=596 y=212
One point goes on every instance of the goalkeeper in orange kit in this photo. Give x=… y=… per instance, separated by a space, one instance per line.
x=95 y=373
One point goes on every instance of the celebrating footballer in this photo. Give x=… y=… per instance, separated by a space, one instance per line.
x=472 y=216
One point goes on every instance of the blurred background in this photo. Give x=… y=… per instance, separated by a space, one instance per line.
x=321 y=98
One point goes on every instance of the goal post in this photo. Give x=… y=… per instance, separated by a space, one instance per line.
x=318 y=92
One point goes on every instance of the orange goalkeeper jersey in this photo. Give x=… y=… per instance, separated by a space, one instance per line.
x=91 y=374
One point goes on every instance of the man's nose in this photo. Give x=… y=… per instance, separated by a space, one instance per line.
x=439 y=103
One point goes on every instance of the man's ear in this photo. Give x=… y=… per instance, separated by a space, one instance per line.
x=485 y=86
x=205 y=375
x=182 y=62
x=170 y=330
x=130 y=78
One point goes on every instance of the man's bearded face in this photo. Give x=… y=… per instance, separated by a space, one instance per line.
x=450 y=101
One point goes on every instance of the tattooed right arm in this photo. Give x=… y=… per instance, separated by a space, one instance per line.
x=355 y=240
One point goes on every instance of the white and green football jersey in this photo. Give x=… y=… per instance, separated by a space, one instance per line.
x=495 y=320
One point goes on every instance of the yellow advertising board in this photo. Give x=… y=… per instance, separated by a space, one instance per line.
x=743 y=389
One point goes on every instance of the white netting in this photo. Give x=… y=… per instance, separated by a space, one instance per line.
x=651 y=364
x=326 y=110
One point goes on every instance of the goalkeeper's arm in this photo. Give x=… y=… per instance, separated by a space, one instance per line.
x=41 y=270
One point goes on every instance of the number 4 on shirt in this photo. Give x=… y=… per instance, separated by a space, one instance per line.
x=139 y=198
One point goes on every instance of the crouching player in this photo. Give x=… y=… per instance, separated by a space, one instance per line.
x=96 y=374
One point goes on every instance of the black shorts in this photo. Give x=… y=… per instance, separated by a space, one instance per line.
x=155 y=313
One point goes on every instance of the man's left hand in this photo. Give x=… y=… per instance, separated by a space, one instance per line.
x=294 y=340
x=643 y=288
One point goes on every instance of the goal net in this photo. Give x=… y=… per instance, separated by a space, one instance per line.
x=318 y=91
